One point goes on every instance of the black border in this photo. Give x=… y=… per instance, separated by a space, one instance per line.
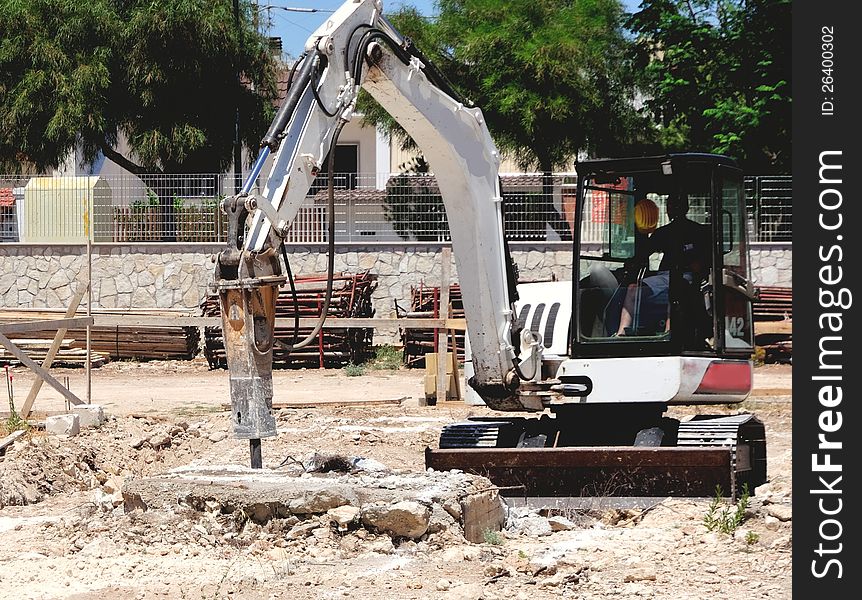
x=814 y=132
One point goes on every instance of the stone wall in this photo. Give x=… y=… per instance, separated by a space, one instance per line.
x=153 y=275
x=772 y=264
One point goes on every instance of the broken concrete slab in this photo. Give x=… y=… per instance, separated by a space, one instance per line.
x=89 y=415
x=67 y=425
x=264 y=494
x=401 y=519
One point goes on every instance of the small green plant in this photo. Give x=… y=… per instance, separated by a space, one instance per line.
x=751 y=538
x=492 y=537
x=726 y=517
x=352 y=370
x=522 y=554
x=141 y=204
x=14 y=422
x=387 y=358
x=759 y=356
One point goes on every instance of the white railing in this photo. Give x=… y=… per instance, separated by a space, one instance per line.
x=407 y=208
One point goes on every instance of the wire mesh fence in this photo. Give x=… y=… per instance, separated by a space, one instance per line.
x=368 y=208
x=769 y=200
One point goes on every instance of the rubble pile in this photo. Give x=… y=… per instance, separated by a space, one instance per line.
x=36 y=467
x=402 y=505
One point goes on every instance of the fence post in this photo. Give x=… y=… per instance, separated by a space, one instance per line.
x=442 y=334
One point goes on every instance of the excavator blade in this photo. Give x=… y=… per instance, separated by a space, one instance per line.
x=712 y=453
x=593 y=471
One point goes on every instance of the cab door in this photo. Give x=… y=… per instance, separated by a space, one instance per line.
x=732 y=291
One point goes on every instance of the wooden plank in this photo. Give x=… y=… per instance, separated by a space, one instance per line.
x=28 y=362
x=7 y=441
x=443 y=334
x=455 y=374
x=330 y=403
x=138 y=320
x=330 y=323
x=52 y=352
x=40 y=325
x=773 y=327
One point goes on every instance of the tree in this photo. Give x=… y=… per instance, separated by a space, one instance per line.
x=164 y=73
x=716 y=75
x=549 y=75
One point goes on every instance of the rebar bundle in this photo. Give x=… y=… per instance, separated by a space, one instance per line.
x=335 y=346
x=425 y=303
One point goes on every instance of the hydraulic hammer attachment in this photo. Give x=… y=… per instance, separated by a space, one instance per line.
x=247 y=284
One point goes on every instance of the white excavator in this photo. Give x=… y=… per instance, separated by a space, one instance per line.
x=595 y=362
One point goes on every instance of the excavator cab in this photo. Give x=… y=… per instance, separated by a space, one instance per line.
x=660 y=316
x=661 y=265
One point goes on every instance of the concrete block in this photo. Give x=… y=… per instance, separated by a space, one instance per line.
x=481 y=512
x=402 y=519
x=401 y=505
x=68 y=425
x=89 y=415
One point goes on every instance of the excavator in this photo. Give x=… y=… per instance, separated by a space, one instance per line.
x=583 y=393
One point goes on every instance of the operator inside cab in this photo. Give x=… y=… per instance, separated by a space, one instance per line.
x=649 y=284
x=684 y=245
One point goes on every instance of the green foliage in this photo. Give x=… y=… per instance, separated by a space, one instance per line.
x=387 y=358
x=716 y=77
x=751 y=538
x=415 y=209
x=723 y=516
x=14 y=422
x=161 y=73
x=759 y=356
x=550 y=77
x=492 y=537
x=352 y=370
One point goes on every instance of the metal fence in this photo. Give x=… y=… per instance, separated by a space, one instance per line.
x=368 y=208
x=769 y=199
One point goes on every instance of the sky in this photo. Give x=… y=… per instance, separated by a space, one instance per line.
x=294 y=27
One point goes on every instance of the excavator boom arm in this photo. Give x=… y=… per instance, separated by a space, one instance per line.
x=358 y=47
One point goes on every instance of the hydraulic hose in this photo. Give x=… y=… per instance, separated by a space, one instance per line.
x=331 y=247
x=292 y=294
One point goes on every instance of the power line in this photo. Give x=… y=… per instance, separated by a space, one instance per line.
x=298 y=9
x=269 y=8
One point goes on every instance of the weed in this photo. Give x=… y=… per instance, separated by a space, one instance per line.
x=492 y=537
x=387 y=358
x=726 y=517
x=759 y=356
x=14 y=422
x=352 y=370
x=522 y=554
x=751 y=538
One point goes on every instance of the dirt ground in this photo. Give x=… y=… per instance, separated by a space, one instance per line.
x=65 y=533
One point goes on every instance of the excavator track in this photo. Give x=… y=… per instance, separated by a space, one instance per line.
x=745 y=437
x=712 y=452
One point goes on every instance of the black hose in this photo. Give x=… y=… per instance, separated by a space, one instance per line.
x=330 y=275
x=316 y=94
x=404 y=54
x=292 y=294
x=516 y=364
x=350 y=43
